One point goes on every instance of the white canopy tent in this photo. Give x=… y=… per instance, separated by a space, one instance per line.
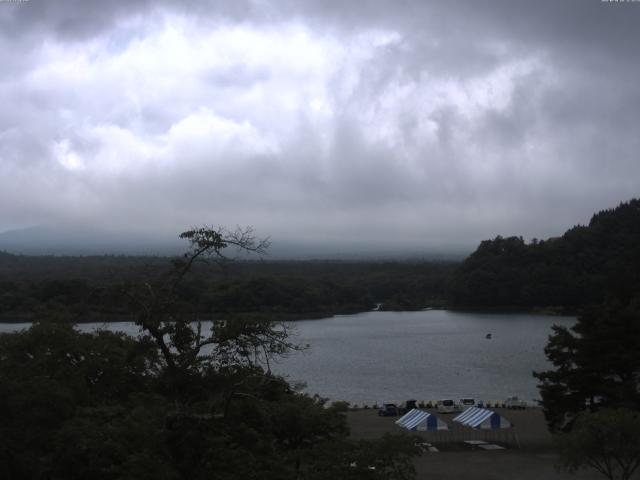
x=421 y=421
x=481 y=418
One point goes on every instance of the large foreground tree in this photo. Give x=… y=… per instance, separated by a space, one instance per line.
x=180 y=401
x=607 y=441
x=596 y=363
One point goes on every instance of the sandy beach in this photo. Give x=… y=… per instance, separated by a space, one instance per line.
x=528 y=453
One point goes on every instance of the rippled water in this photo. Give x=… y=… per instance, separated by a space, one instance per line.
x=383 y=356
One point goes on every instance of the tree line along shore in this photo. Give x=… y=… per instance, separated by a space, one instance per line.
x=560 y=275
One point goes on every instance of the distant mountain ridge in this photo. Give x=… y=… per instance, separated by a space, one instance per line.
x=584 y=266
x=50 y=240
x=73 y=241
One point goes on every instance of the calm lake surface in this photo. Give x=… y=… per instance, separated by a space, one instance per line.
x=392 y=356
x=385 y=356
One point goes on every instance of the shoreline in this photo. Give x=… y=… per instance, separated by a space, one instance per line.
x=528 y=424
x=96 y=317
x=532 y=458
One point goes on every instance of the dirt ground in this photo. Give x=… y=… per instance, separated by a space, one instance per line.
x=528 y=453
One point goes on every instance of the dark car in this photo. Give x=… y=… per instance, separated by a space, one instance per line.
x=408 y=406
x=388 y=410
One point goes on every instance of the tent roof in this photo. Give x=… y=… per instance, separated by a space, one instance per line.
x=421 y=420
x=476 y=417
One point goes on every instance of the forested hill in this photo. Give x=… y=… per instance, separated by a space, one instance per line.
x=90 y=288
x=585 y=265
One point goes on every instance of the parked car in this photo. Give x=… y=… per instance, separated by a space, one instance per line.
x=388 y=410
x=515 y=403
x=407 y=406
x=467 y=402
x=447 y=406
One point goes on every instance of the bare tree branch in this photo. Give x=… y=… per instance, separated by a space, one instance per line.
x=182 y=343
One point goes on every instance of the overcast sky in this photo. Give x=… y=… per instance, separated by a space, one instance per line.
x=387 y=124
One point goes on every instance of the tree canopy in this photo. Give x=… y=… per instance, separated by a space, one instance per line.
x=582 y=267
x=596 y=363
x=607 y=441
x=180 y=401
x=90 y=288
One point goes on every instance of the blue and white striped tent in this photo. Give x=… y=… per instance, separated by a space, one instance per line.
x=482 y=418
x=421 y=421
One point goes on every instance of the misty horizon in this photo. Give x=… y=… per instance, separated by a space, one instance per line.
x=70 y=240
x=43 y=240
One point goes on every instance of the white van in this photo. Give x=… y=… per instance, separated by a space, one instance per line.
x=515 y=403
x=447 y=406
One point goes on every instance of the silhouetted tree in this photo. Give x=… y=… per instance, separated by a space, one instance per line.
x=596 y=363
x=174 y=403
x=607 y=441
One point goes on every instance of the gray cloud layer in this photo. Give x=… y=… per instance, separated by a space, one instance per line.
x=390 y=124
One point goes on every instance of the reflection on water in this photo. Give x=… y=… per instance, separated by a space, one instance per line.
x=383 y=356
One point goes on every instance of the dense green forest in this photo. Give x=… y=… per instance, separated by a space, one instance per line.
x=177 y=402
x=584 y=266
x=90 y=288
x=561 y=275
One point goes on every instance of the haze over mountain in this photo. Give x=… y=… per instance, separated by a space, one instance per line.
x=43 y=240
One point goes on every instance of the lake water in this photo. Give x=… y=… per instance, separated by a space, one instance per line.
x=391 y=356
x=385 y=356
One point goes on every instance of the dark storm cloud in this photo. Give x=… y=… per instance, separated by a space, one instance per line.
x=71 y=19
x=410 y=122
